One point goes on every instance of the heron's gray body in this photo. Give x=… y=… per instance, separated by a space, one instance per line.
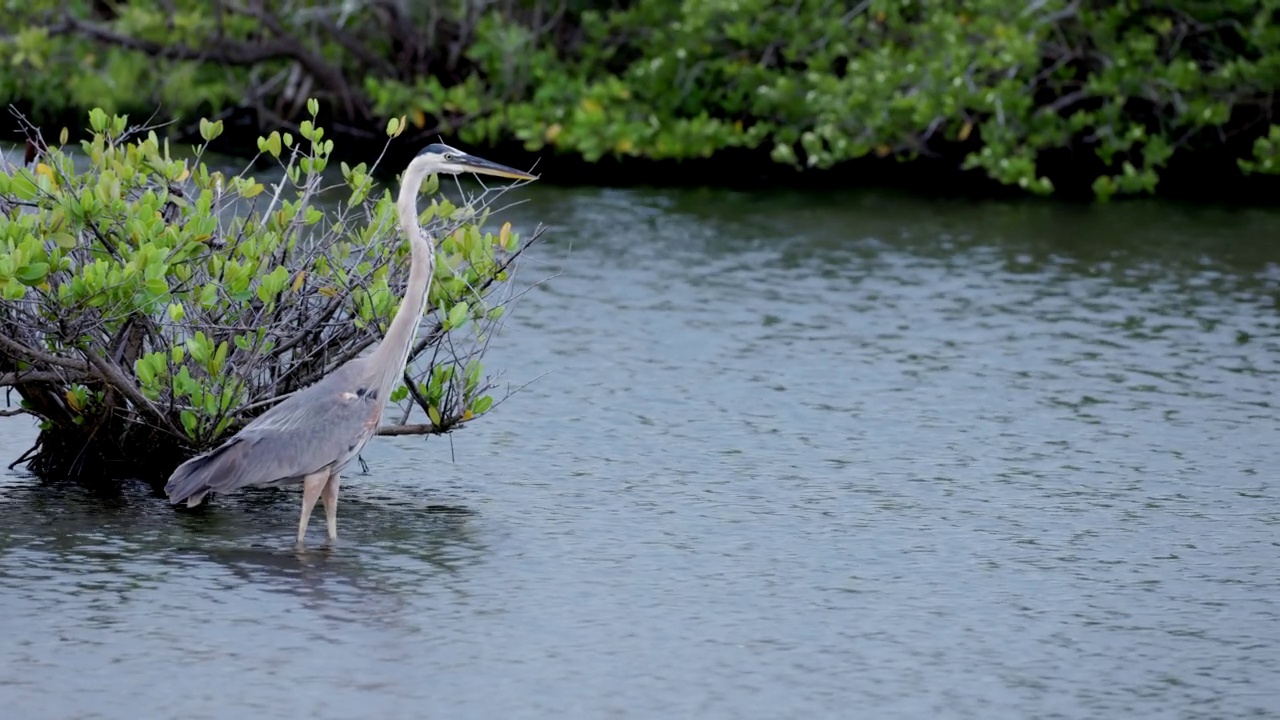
x=322 y=427
x=310 y=437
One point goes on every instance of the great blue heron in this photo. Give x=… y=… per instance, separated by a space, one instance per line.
x=312 y=435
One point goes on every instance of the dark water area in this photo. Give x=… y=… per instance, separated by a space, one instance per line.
x=779 y=455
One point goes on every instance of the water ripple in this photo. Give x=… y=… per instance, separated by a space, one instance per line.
x=790 y=455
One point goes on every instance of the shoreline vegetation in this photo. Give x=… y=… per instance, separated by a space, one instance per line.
x=1075 y=100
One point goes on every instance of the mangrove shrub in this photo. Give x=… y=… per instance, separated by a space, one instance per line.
x=153 y=304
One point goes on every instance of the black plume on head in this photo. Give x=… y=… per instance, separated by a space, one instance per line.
x=436 y=149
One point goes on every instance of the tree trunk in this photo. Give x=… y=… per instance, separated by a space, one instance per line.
x=102 y=450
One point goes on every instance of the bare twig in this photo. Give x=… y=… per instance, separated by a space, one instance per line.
x=34 y=376
x=22 y=351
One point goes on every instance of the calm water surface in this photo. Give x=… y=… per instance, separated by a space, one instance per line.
x=785 y=456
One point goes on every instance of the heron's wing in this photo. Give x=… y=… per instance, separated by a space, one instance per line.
x=322 y=424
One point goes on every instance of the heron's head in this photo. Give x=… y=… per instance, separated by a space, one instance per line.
x=440 y=158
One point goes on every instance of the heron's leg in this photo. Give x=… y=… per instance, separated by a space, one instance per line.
x=312 y=485
x=330 y=497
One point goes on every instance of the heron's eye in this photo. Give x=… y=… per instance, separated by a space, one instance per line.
x=449 y=157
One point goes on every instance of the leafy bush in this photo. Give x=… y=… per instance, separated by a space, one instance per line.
x=996 y=85
x=152 y=304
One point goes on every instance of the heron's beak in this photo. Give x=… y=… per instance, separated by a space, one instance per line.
x=480 y=166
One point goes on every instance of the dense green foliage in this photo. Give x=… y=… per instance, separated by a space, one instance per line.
x=151 y=305
x=1123 y=87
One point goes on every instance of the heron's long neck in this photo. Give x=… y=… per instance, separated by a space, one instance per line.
x=393 y=353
